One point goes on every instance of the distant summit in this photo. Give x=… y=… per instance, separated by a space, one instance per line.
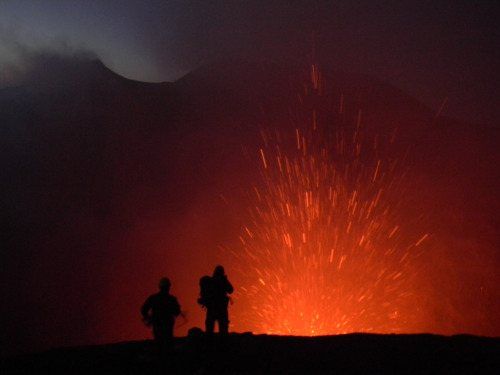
x=61 y=73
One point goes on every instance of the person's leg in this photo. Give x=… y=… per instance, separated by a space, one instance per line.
x=223 y=320
x=210 y=322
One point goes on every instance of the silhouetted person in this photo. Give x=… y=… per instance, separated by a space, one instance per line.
x=216 y=301
x=160 y=311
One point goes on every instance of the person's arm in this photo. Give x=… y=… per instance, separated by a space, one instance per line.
x=177 y=307
x=145 y=310
x=229 y=287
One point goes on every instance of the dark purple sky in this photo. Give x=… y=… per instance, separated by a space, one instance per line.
x=430 y=49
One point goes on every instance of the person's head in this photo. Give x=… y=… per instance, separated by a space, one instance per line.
x=164 y=284
x=219 y=271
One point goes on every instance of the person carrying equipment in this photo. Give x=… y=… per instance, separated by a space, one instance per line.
x=213 y=296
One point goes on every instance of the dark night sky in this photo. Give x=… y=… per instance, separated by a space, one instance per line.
x=431 y=49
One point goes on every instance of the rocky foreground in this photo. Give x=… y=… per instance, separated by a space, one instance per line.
x=263 y=354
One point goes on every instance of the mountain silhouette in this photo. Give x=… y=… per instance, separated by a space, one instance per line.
x=96 y=169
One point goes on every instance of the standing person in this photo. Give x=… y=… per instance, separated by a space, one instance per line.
x=160 y=310
x=214 y=297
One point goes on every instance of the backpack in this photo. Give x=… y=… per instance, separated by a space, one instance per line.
x=206 y=291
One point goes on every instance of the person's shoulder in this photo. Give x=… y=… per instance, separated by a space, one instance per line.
x=173 y=300
x=151 y=298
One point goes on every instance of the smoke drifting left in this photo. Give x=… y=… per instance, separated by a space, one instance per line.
x=22 y=60
x=111 y=184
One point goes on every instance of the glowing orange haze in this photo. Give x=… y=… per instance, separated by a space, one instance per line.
x=343 y=232
x=346 y=230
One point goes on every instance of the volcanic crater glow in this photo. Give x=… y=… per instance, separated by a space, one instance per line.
x=327 y=249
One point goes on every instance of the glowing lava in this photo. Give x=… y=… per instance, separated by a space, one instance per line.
x=327 y=250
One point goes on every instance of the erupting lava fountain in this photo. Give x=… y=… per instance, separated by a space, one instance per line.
x=327 y=249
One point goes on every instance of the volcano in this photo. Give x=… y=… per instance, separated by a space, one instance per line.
x=110 y=184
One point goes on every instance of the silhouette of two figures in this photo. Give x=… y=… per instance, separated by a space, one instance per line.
x=160 y=309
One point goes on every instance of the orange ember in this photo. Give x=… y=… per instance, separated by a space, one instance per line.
x=327 y=248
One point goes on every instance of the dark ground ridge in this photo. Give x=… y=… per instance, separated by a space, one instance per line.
x=245 y=353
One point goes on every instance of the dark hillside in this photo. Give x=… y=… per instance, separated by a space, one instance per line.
x=250 y=354
x=108 y=184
